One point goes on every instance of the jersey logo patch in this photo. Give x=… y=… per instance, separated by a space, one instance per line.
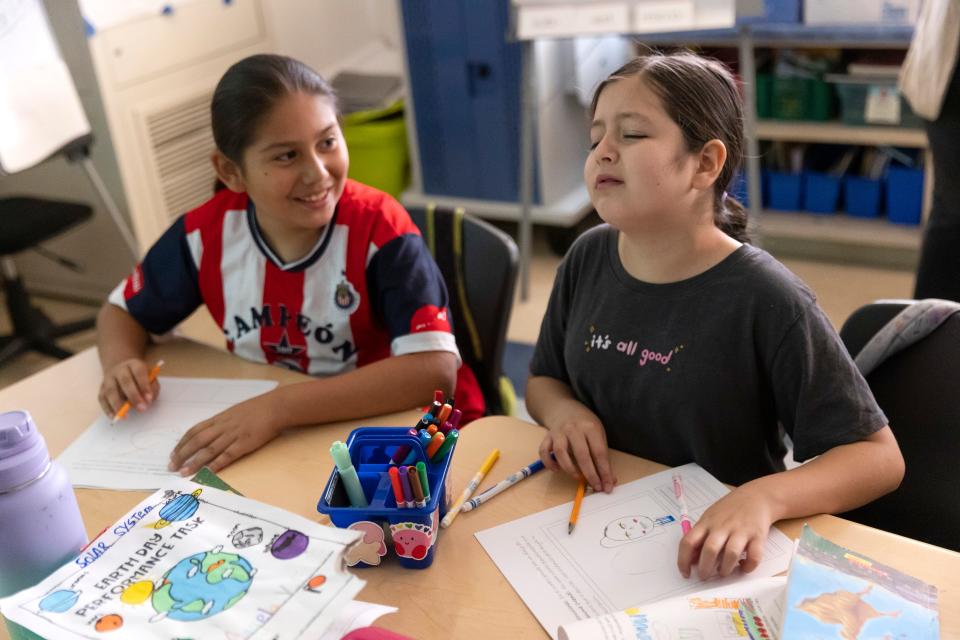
x=134 y=283
x=346 y=297
x=429 y=318
x=283 y=348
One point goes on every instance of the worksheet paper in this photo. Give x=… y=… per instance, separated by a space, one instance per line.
x=622 y=553
x=191 y=561
x=133 y=454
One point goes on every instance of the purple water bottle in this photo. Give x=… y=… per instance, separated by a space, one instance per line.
x=40 y=523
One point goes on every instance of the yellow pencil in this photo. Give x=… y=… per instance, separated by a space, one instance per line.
x=470 y=488
x=581 y=489
x=122 y=412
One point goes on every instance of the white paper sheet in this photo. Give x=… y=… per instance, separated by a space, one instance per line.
x=40 y=110
x=622 y=552
x=133 y=454
x=191 y=561
x=352 y=616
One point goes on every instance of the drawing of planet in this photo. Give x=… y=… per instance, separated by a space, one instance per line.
x=315 y=583
x=202 y=585
x=59 y=601
x=247 y=537
x=180 y=508
x=289 y=544
x=109 y=622
x=137 y=593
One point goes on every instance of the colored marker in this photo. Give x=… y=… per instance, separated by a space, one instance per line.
x=501 y=486
x=403 y=450
x=445 y=412
x=446 y=428
x=424 y=438
x=415 y=486
x=470 y=488
x=425 y=421
x=435 y=443
x=351 y=482
x=435 y=408
x=407 y=489
x=455 y=416
x=438 y=395
x=685 y=525
x=577 y=501
x=449 y=440
x=397 y=488
x=432 y=429
x=424 y=481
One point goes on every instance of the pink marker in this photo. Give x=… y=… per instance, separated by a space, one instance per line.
x=685 y=524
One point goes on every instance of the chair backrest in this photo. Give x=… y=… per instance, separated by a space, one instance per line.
x=919 y=390
x=479 y=264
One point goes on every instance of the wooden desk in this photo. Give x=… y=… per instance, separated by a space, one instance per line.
x=462 y=595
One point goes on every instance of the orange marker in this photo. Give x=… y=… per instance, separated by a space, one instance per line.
x=445 y=411
x=435 y=443
x=152 y=376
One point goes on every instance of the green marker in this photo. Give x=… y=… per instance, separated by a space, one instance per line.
x=448 y=443
x=351 y=482
x=424 y=482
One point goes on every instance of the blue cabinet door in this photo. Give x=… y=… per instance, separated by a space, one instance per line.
x=465 y=79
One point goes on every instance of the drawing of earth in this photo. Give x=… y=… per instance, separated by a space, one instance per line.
x=202 y=586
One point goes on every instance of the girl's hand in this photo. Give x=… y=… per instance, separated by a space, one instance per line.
x=737 y=523
x=127 y=381
x=226 y=437
x=579 y=446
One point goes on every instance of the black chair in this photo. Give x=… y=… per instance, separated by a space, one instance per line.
x=919 y=390
x=479 y=264
x=24 y=223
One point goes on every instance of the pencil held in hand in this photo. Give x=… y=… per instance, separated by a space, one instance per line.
x=152 y=376
x=577 y=501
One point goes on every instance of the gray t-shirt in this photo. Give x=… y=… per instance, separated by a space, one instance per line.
x=704 y=370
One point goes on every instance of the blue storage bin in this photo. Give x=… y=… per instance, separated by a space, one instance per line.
x=414 y=530
x=904 y=195
x=862 y=196
x=821 y=192
x=785 y=190
x=775 y=11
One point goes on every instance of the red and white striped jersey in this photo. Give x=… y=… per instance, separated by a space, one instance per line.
x=369 y=289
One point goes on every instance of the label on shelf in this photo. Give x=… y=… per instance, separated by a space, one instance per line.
x=883 y=105
x=572 y=20
x=663 y=15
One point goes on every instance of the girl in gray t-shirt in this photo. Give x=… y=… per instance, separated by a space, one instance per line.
x=668 y=337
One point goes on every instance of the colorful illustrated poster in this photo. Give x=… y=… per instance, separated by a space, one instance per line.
x=747 y=610
x=833 y=592
x=195 y=562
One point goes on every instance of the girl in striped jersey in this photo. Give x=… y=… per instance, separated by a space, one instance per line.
x=299 y=266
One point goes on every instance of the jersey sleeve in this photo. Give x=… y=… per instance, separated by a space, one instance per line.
x=163 y=289
x=409 y=295
x=822 y=400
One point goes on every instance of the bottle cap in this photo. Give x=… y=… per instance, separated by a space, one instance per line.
x=23 y=452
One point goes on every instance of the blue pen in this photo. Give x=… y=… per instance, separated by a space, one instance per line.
x=503 y=485
x=351 y=481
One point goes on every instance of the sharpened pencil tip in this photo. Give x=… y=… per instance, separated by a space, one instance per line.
x=569 y=528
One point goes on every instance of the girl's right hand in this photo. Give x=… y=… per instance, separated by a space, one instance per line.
x=579 y=445
x=127 y=381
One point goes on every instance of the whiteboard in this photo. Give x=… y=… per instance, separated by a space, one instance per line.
x=40 y=110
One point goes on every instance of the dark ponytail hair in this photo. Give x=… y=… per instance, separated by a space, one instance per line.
x=701 y=96
x=249 y=90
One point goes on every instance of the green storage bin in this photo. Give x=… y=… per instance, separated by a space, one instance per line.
x=853 y=93
x=764 y=91
x=377 y=141
x=796 y=98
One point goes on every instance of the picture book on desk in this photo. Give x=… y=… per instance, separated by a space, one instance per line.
x=747 y=610
x=192 y=561
x=833 y=592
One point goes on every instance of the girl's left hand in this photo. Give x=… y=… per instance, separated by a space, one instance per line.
x=737 y=523
x=226 y=437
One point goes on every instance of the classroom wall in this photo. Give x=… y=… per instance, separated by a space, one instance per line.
x=330 y=35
